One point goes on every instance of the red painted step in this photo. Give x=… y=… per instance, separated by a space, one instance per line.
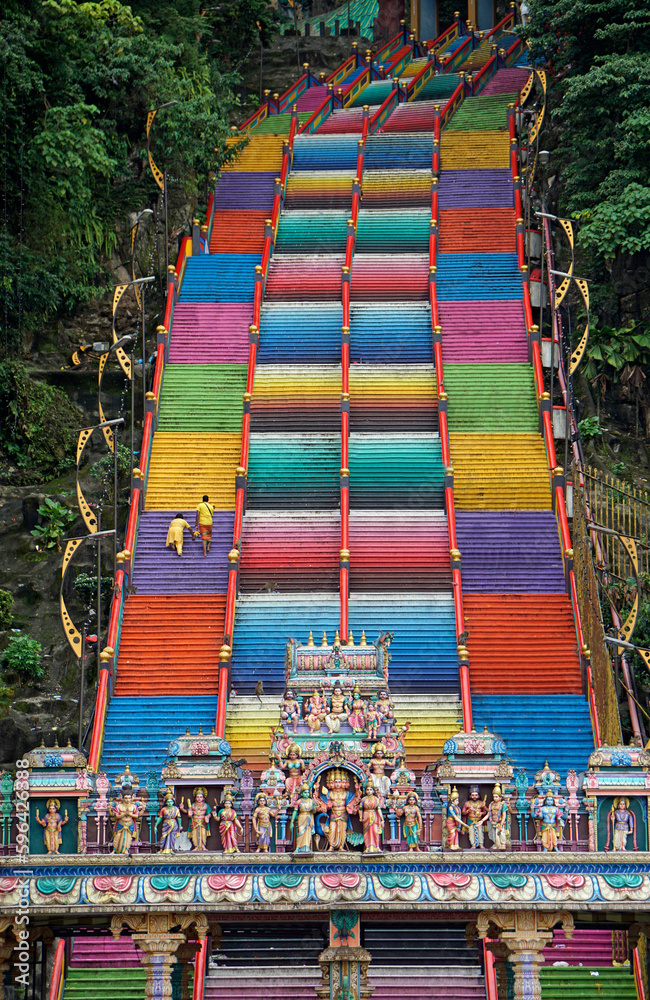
x=170 y=645
x=467 y=230
x=522 y=644
x=238 y=232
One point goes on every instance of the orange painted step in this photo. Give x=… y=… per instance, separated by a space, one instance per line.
x=466 y=230
x=522 y=644
x=170 y=645
x=238 y=232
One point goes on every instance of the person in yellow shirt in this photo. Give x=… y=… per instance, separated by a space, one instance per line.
x=204 y=513
x=175 y=533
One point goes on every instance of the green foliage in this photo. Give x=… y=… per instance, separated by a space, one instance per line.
x=6 y=606
x=37 y=422
x=6 y=698
x=23 y=657
x=590 y=428
x=85 y=586
x=56 y=518
x=610 y=351
x=79 y=80
x=619 y=469
x=102 y=470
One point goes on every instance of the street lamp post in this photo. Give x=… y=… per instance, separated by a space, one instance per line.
x=159 y=175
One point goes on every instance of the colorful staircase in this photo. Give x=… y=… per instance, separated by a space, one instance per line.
x=101 y=968
x=525 y=672
x=584 y=967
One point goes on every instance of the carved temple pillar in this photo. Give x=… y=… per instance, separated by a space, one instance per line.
x=345 y=963
x=158 y=957
x=525 y=934
x=185 y=956
x=159 y=936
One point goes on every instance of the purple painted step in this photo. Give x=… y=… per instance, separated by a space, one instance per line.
x=158 y=570
x=506 y=81
x=245 y=189
x=103 y=952
x=510 y=552
x=210 y=332
x=588 y=948
x=311 y=99
x=483 y=331
x=490 y=188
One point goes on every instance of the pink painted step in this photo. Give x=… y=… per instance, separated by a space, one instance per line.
x=421 y=983
x=210 y=332
x=483 y=331
x=505 y=81
x=104 y=952
x=270 y=982
x=590 y=948
x=311 y=99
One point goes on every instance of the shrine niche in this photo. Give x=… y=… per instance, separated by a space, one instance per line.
x=617 y=792
x=337 y=759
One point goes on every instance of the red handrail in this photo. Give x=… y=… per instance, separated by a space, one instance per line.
x=58 y=971
x=200 y=965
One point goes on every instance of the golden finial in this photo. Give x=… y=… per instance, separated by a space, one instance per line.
x=310 y=640
x=337 y=639
x=324 y=642
x=363 y=639
x=350 y=639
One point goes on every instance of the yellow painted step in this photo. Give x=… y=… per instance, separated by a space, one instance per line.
x=474 y=150
x=185 y=466
x=248 y=728
x=262 y=152
x=499 y=472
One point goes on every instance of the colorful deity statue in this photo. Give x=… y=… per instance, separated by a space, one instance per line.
x=305 y=809
x=170 y=815
x=372 y=818
x=373 y=719
x=385 y=707
x=263 y=817
x=290 y=710
x=474 y=816
x=454 y=821
x=315 y=711
x=357 y=716
x=199 y=813
x=412 y=821
x=338 y=711
x=378 y=764
x=52 y=826
x=497 y=820
x=623 y=823
x=340 y=804
x=125 y=813
x=551 y=817
x=229 y=825
x=294 y=766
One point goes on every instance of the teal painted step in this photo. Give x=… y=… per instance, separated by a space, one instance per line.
x=482 y=114
x=105 y=984
x=393 y=231
x=389 y=471
x=312 y=232
x=441 y=87
x=375 y=93
x=491 y=398
x=299 y=471
x=202 y=398
x=591 y=984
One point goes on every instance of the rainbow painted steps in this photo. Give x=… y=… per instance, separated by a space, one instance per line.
x=210 y=333
x=159 y=570
x=424 y=649
x=184 y=466
x=505 y=393
x=499 y=472
x=587 y=984
x=491 y=330
x=139 y=730
x=510 y=552
x=206 y=398
x=538 y=726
